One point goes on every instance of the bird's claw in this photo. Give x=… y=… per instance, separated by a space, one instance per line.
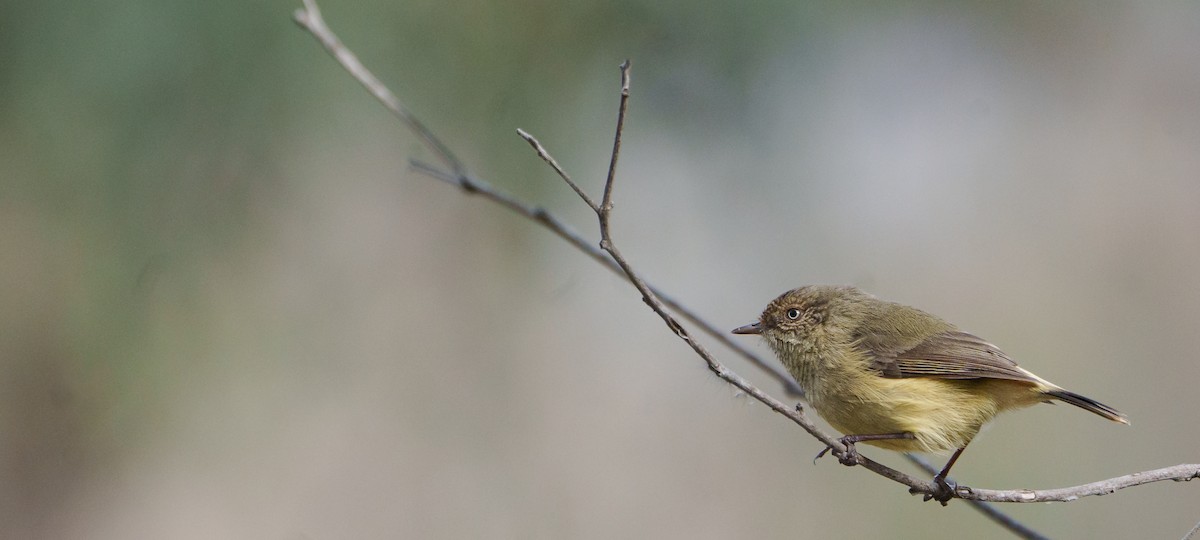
x=848 y=458
x=943 y=490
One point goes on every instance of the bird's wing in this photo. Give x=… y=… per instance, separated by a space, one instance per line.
x=947 y=355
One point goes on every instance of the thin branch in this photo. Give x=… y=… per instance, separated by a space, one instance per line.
x=606 y=206
x=549 y=159
x=1179 y=473
x=310 y=19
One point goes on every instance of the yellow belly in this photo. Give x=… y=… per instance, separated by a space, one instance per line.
x=942 y=414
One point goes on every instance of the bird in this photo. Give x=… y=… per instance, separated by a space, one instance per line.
x=896 y=377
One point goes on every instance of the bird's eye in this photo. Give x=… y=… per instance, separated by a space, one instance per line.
x=793 y=314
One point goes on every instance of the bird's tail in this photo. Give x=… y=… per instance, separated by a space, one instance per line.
x=1088 y=404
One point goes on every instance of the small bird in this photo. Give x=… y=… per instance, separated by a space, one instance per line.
x=896 y=377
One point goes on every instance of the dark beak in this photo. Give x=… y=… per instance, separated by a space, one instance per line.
x=754 y=328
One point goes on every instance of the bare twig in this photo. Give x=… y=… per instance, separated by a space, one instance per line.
x=608 y=255
x=606 y=205
x=549 y=159
x=1179 y=473
x=310 y=19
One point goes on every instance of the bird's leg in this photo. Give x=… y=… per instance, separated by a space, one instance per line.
x=850 y=456
x=943 y=489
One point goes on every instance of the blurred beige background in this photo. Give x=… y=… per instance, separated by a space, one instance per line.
x=230 y=310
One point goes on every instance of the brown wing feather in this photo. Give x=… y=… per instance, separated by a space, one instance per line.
x=948 y=355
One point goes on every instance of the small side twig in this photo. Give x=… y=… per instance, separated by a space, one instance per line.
x=545 y=155
x=606 y=205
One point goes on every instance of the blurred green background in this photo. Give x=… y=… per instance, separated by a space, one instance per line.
x=231 y=310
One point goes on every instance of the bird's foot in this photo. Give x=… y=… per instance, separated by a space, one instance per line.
x=848 y=458
x=943 y=490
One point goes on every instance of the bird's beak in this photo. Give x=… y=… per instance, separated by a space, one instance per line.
x=754 y=328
